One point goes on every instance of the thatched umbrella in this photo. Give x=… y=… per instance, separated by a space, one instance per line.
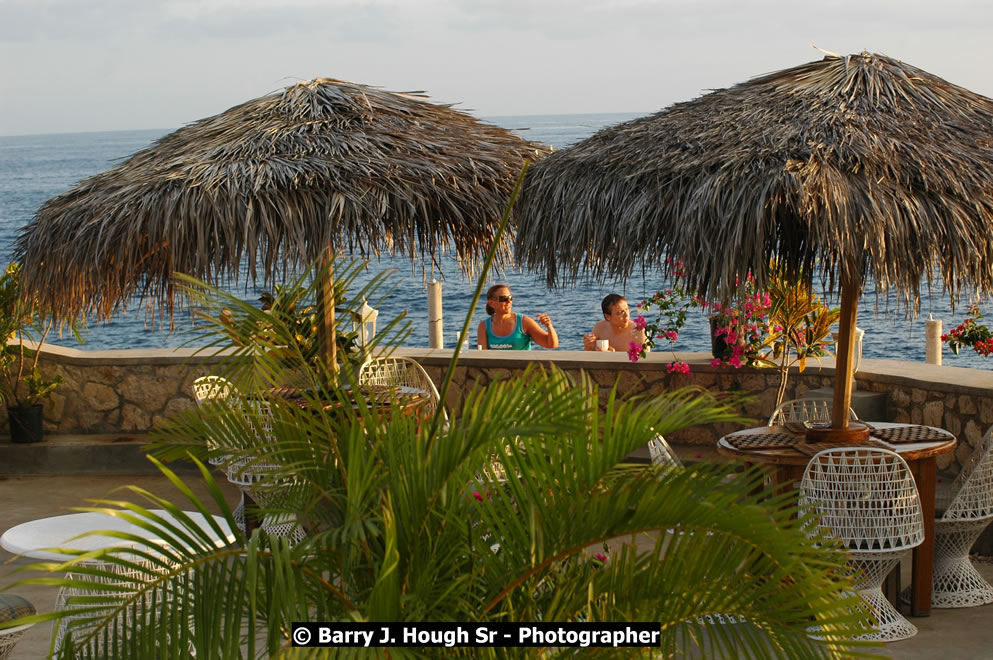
x=292 y=177
x=851 y=167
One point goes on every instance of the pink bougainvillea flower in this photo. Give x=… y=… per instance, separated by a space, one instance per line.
x=640 y=322
x=478 y=496
x=602 y=557
x=634 y=351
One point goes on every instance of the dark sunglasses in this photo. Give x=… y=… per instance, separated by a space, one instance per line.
x=505 y=298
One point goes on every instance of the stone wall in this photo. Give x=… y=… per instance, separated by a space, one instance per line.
x=131 y=390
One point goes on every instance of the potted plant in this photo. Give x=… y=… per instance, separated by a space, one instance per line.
x=738 y=329
x=22 y=385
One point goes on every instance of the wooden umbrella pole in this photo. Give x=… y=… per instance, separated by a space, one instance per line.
x=326 y=337
x=841 y=429
x=843 y=362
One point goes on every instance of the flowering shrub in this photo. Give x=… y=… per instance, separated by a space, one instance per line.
x=742 y=326
x=670 y=307
x=781 y=327
x=971 y=333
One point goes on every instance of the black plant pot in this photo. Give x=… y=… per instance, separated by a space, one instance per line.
x=25 y=423
x=718 y=346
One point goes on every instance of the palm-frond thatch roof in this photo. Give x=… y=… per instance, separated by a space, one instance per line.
x=852 y=166
x=273 y=181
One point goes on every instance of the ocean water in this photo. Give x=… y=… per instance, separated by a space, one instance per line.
x=35 y=168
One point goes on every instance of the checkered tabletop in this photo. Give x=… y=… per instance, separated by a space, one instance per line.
x=795 y=440
x=901 y=434
x=771 y=440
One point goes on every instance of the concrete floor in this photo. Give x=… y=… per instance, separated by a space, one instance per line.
x=963 y=634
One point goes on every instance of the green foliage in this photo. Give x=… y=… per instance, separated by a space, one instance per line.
x=799 y=325
x=294 y=303
x=21 y=381
x=281 y=335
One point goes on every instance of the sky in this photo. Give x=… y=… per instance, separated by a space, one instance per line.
x=98 y=65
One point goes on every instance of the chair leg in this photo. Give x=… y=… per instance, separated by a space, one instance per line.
x=956 y=582
x=889 y=625
x=239 y=513
x=886 y=623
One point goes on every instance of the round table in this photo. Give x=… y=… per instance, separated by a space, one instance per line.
x=38 y=538
x=787 y=462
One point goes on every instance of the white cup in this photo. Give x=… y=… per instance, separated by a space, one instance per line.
x=602 y=344
x=464 y=346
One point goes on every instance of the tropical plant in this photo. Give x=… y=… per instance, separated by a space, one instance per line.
x=970 y=333
x=799 y=326
x=21 y=380
x=295 y=304
x=395 y=534
x=740 y=327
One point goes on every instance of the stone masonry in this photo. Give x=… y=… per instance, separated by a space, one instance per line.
x=132 y=390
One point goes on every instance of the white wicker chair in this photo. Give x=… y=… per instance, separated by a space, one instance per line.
x=797 y=411
x=867 y=498
x=963 y=513
x=13 y=607
x=250 y=475
x=212 y=388
x=661 y=453
x=401 y=371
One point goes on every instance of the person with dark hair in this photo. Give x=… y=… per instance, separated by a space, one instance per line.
x=616 y=328
x=505 y=330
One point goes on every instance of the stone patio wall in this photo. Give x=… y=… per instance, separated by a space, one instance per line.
x=131 y=390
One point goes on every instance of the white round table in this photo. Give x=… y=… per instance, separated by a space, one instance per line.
x=39 y=538
x=36 y=538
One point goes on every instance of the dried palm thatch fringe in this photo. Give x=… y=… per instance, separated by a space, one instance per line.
x=859 y=165
x=276 y=181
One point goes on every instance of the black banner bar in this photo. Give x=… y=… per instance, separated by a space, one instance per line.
x=383 y=635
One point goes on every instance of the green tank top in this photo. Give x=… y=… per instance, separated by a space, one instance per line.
x=518 y=340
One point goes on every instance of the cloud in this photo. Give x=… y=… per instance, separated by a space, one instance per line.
x=178 y=20
x=355 y=21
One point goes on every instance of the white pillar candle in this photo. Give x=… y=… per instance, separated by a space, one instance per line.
x=932 y=340
x=434 y=315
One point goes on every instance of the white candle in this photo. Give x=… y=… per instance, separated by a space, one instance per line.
x=932 y=340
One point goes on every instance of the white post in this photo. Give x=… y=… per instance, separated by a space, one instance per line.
x=434 y=315
x=932 y=340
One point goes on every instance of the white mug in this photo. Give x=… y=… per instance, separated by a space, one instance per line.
x=602 y=344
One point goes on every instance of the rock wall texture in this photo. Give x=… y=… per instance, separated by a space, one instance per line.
x=131 y=391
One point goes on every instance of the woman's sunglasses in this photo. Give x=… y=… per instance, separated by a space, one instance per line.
x=505 y=298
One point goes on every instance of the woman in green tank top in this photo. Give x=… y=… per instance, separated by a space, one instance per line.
x=505 y=330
